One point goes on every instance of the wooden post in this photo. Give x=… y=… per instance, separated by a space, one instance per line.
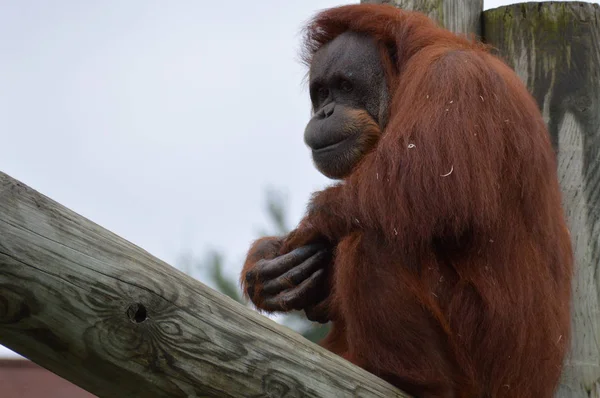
x=554 y=47
x=107 y=316
x=459 y=16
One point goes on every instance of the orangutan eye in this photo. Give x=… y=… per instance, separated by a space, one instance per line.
x=346 y=86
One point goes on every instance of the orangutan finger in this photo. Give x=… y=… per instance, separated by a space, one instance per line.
x=269 y=269
x=299 y=297
x=319 y=312
x=298 y=274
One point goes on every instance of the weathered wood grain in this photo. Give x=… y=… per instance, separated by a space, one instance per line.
x=459 y=16
x=106 y=315
x=555 y=49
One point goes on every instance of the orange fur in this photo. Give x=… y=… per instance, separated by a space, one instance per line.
x=453 y=270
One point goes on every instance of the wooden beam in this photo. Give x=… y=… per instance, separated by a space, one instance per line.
x=109 y=317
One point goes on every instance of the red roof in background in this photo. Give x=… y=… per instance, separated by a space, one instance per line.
x=21 y=378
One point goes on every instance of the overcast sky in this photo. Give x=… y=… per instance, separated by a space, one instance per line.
x=162 y=121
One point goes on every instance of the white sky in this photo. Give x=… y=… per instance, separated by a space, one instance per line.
x=163 y=122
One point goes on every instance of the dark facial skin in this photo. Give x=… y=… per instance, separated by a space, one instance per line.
x=349 y=97
x=349 y=94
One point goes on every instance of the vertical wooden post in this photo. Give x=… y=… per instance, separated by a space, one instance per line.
x=459 y=16
x=555 y=49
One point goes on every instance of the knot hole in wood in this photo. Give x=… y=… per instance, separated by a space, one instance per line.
x=137 y=313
